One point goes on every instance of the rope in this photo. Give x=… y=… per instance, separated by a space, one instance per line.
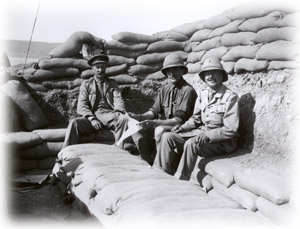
x=32 y=31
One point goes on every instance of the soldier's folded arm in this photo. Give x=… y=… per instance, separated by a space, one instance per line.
x=231 y=122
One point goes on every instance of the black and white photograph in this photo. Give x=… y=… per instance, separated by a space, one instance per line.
x=149 y=114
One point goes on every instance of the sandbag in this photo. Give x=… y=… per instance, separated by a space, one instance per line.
x=128 y=54
x=115 y=70
x=277 y=213
x=291 y=19
x=251 y=10
x=50 y=63
x=238 y=52
x=129 y=38
x=32 y=115
x=200 y=35
x=42 y=74
x=113 y=44
x=124 y=79
x=117 y=60
x=234 y=192
x=51 y=135
x=277 y=50
x=228 y=66
x=73 y=45
x=21 y=140
x=152 y=58
x=86 y=74
x=156 y=76
x=277 y=65
x=41 y=151
x=206 y=183
x=273 y=19
x=194 y=67
x=265 y=184
x=12 y=114
x=216 y=52
x=273 y=34
x=189 y=28
x=143 y=69
x=231 y=27
x=165 y=46
x=36 y=86
x=222 y=170
x=194 y=57
x=170 y=35
x=241 y=38
x=208 y=44
x=62 y=84
x=189 y=46
x=216 y=21
x=250 y=65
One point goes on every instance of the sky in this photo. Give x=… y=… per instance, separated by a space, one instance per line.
x=58 y=19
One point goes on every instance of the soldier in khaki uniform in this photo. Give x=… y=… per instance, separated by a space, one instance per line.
x=211 y=131
x=100 y=104
x=173 y=105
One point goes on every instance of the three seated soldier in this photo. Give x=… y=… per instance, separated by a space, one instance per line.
x=175 y=130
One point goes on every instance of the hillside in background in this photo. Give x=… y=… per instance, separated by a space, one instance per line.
x=16 y=50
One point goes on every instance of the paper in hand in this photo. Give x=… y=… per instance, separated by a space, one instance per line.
x=133 y=127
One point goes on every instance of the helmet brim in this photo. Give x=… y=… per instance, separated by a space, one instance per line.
x=163 y=70
x=225 y=75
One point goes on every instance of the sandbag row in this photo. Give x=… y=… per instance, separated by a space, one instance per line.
x=253 y=188
x=144 y=54
x=124 y=188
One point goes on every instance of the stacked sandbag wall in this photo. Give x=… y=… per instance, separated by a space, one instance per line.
x=255 y=189
x=255 y=45
x=246 y=39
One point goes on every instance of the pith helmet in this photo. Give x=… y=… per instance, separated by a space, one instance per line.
x=212 y=64
x=171 y=61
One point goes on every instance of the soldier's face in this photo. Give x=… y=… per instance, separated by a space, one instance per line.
x=213 y=79
x=174 y=74
x=99 y=68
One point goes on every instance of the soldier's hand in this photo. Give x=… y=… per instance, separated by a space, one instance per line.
x=147 y=124
x=135 y=116
x=202 y=139
x=176 y=129
x=96 y=124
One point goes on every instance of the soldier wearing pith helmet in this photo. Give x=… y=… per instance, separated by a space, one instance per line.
x=173 y=105
x=211 y=131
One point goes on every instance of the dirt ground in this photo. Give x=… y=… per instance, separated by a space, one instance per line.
x=45 y=203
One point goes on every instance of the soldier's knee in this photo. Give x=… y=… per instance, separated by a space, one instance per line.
x=168 y=136
x=158 y=131
x=190 y=144
x=74 y=122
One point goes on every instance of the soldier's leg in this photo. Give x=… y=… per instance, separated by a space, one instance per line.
x=119 y=125
x=145 y=143
x=170 y=150
x=76 y=128
x=114 y=121
x=192 y=149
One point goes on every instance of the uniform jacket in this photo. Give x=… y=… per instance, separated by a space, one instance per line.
x=89 y=94
x=175 y=101
x=219 y=116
